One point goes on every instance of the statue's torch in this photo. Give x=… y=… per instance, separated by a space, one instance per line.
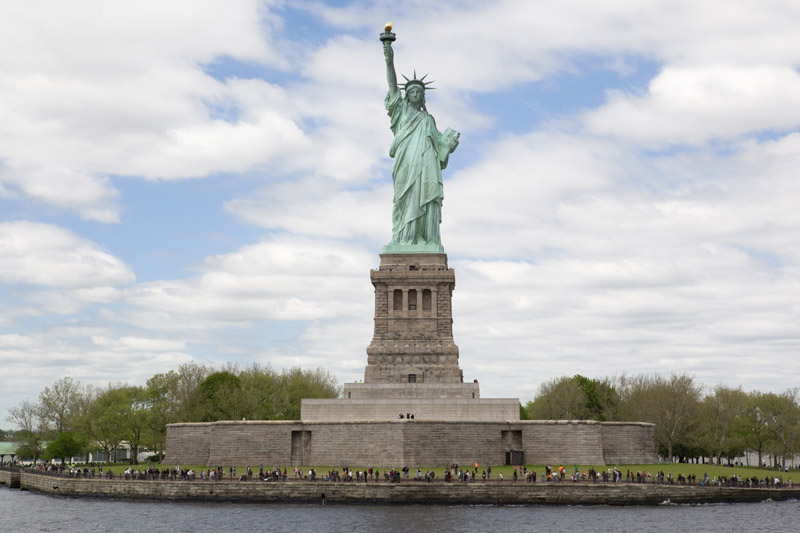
x=387 y=35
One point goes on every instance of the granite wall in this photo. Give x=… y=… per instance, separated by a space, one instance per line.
x=10 y=477
x=413 y=443
x=457 y=409
x=403 y=493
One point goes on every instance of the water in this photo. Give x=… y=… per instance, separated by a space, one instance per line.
x=29 y=511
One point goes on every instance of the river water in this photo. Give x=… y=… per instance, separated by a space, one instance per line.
x=30 y=511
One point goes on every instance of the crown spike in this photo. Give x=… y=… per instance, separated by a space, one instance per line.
x=418 y=82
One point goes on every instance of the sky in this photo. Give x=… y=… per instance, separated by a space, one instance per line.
x=209 y=181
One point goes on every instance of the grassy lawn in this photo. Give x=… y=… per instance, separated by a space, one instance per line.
x=668 y=468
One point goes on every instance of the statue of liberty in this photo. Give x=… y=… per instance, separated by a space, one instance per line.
x=420 y=154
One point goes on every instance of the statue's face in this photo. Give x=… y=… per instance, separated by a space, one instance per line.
x=415 y=95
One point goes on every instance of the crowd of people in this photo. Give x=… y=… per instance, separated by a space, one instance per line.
x=452 y=473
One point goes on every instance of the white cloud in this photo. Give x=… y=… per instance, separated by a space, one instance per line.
x=691 y=105
x=518 y=190
x=9 y=314
x=32 y=362
x=44 y=254
x=137 y=344
x=490 y=46
x=283 y=279
x=321 y=208
x=94 y=89
x=684 y=262
x=68 y=302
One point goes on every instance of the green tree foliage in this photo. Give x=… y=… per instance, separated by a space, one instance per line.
x=26 y=417
x=61 y=404
x=756 y=418
x=104 y=421
x=193 y=393
x=261 y=390
x=173 y=397
x=671 y=403
x=220 y=397
x=30 y=448
x=197 y=393
x=135 y=414
x=259 y=393
x=65 y=445
x=574 y=398
x=722 y=423
x=601 y=397
x=782 y=416
x=558 y=399
x=297 y=384
x=162 y=406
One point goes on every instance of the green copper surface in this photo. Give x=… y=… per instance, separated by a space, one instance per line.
x=420 y=153
x=427 y=248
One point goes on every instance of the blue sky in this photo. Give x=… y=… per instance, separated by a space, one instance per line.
x=210 y=181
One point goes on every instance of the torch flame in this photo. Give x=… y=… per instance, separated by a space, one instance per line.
x=388 y=27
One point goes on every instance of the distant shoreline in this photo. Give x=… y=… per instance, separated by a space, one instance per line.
x=406 y=492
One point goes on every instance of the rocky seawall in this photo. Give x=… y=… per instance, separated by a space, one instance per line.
x=10 y=477
x=407 y=492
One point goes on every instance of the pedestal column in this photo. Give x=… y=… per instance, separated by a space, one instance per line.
x=419 y=344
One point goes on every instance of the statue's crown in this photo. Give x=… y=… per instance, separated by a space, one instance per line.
x=418 y=82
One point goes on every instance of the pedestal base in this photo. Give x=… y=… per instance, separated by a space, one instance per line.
x=413 y=249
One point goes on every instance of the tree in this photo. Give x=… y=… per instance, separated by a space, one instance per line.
x=61 y=403
x=601 y=397
x=220 y=394
x=670 y=403
x=135 y=414
x=31 y=448
x=262 y=388
x=559 y=399
x=183 y=385
x=782 y=414
x=756 y=418
x=297 y=384
x=173 y=397
x=26 y=416
x=722 y=422
x=574 y=398
x=64 y=445
x=104 y=422
x=162 y=406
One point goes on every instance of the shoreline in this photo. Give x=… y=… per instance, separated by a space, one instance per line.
x=404 y=493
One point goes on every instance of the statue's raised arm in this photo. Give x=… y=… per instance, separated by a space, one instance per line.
x=391 y=74
x=420 y=152
x=387 y=37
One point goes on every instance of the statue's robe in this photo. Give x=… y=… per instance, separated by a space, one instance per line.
x=420 y=153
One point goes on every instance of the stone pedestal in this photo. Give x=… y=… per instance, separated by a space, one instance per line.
x=413 y=339
x=412 y=362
